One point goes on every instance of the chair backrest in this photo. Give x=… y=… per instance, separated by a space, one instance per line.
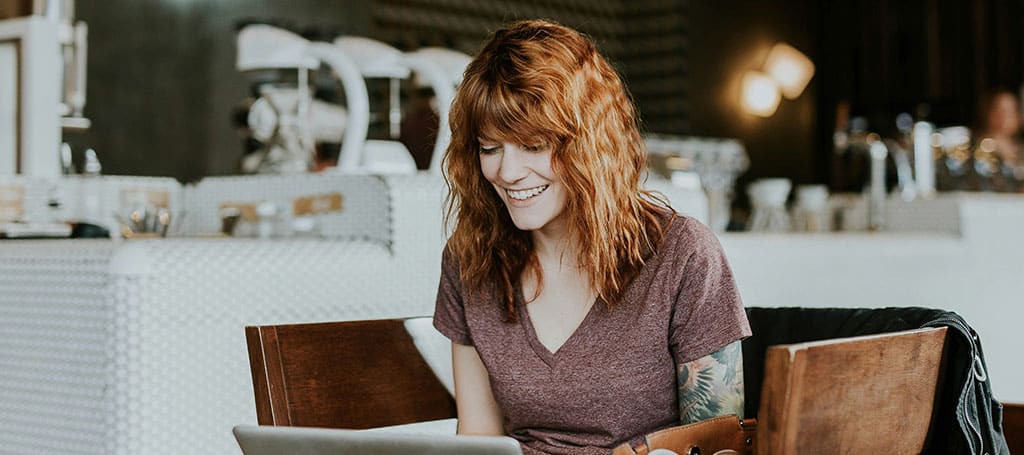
x=868 y=394
x=359 y=374
x=1013 y=426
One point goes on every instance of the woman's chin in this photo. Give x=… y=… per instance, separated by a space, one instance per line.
x=527 y=225
x=528 y=222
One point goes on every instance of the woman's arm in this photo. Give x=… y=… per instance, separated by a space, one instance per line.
x=712 y=386
x=478 y=412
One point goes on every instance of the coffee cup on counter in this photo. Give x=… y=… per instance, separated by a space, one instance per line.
x=145 y=221
x=768 y=199
x=811 y=211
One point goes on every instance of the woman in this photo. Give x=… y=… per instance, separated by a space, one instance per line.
x=575 y=301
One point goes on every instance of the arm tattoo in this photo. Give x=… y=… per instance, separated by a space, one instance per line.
x=712 y=386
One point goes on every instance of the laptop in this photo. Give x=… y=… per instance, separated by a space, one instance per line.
x=270 y=440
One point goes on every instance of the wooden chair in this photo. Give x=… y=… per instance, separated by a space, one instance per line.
x=869 y=394
x=1013 y=426
x=356 y=375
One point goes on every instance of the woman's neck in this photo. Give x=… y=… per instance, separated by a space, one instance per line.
x=554 y=246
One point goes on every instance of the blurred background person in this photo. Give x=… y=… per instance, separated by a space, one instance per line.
x=999 y=149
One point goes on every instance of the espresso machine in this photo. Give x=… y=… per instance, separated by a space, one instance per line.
x=282 y=119
x=288 y=122
x=290 y=146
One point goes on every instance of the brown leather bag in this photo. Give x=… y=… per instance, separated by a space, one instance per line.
x=724 y=435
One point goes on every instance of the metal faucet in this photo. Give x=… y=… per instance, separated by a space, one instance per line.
x=878 y=151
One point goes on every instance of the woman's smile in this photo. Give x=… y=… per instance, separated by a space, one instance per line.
x=525 y=194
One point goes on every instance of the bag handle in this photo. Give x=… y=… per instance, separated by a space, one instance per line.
x=721 y=435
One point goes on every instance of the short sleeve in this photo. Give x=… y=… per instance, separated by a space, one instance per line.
x=449 y=312
x=708 y=313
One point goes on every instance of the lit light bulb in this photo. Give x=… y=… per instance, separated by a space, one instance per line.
x=790 y=68
x=760 y=94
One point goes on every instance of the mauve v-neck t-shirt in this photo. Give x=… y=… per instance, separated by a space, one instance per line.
x=614 y=378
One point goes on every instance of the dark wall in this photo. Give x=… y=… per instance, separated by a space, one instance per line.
x=932 y=59
x=162 y=84
x=730 y=37
x=163 y=87
x=656 y=62
x=646 y=40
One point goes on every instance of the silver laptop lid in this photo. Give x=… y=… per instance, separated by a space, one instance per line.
x=269 y=440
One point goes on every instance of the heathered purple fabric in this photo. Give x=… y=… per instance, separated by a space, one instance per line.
x=614 y=379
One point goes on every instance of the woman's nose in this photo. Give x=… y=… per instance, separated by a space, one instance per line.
x=513 y=166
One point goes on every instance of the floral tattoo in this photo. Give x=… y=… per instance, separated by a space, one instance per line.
x=712 y=386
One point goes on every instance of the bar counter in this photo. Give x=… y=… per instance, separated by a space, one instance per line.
x=978 y=274
x=138 y=346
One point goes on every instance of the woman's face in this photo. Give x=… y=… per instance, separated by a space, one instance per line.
x=524 y=180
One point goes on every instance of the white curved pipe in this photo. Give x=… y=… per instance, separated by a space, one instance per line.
x=357 y=101
x=373 y=58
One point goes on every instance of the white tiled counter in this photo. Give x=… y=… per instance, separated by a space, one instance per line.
x=56 y=348
x=138 y=347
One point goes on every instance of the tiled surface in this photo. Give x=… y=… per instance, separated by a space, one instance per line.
x=56 y=326
x=138 y=347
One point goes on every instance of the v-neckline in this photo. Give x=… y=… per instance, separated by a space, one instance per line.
x=550 y=357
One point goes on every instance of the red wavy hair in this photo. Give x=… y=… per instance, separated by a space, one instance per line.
x=541 y=82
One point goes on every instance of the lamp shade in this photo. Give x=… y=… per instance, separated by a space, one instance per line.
x=790 y=68
x=760 y=94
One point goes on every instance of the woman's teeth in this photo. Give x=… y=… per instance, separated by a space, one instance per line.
x=522 y=195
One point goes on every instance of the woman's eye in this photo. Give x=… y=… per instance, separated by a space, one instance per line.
x=535 y=148
x=488 y=149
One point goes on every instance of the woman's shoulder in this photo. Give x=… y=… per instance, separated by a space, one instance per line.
x=682 y=225
x=686 y=233
x=450 y=264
